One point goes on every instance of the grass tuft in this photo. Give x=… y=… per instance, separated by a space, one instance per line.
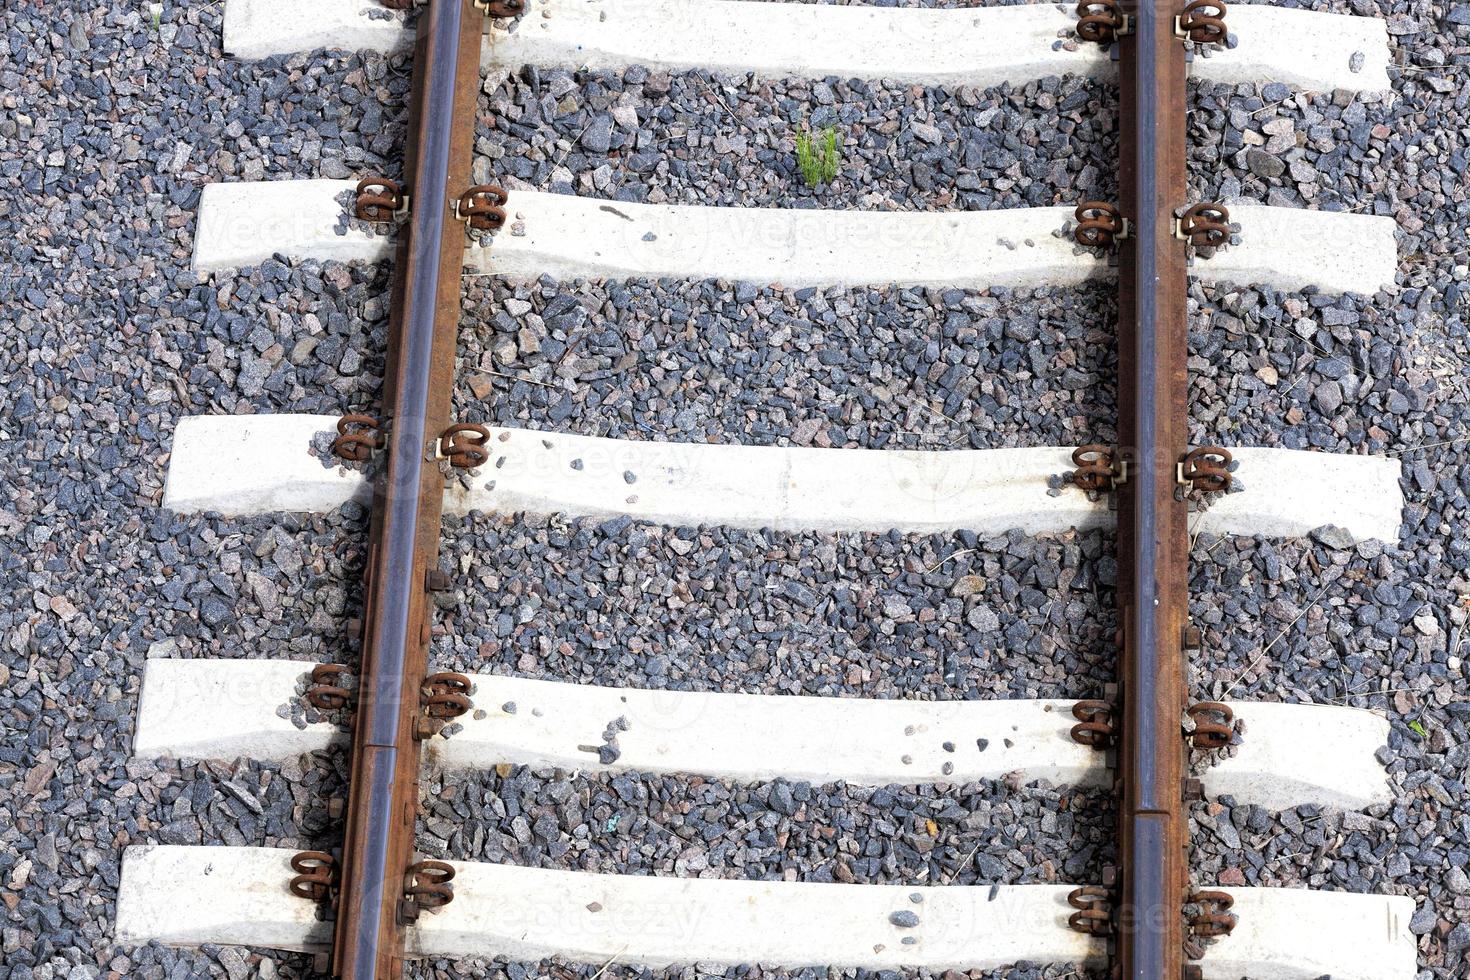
x=817 y=156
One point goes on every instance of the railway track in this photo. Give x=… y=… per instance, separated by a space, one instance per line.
x=375 y=901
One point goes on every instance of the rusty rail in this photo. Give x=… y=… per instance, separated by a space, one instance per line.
x=1154 y=469
x=380 y=886
x=1153 y=541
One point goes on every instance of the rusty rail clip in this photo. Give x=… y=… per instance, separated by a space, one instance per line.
x=1214 y=917
x=1214 y=724
x=1097 y=467
x=1206 y=469
x=1094 y=726
x=380 y=199
x=1099 y=224
x=326 y=692
x=447 y=695
x=463 y=444
x=1094 y=914
x=482 y=207
x=316 y=876
x=1202 y=21
x=426 y=885
x=1101 y=21
x=1204 y=225
x=355 y=446
x=442 y=696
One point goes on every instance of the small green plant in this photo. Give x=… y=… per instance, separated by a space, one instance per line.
x=817 y=156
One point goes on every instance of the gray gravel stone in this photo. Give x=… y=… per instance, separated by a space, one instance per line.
x=1263 y=164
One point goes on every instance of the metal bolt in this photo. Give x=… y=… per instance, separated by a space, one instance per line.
x=1192 y=638
x=1193 y=790
x=354 y=629
x=436 y=580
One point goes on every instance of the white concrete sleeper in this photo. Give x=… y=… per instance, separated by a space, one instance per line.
x=238 y=895
x=1292 y=754
x=568 y=237
x=981 y=46
x=254 y=464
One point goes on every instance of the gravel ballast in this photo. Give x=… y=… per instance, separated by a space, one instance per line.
x=866 y=368
x=717 y=609
x=112 y=125
x=626 y=823
x=700 y=138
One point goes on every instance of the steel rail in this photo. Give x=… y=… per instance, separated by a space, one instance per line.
x=1152 y=513
x=375 y=873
